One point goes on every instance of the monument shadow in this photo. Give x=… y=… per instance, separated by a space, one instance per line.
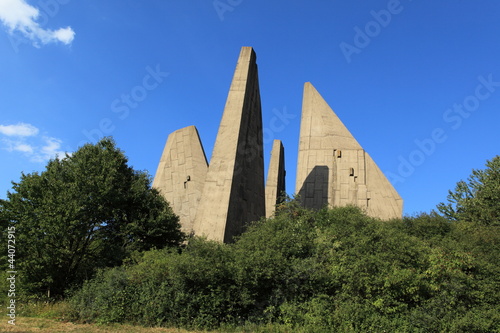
x=314 y=191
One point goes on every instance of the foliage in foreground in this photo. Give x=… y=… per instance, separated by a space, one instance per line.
x=478 y=199
x=85 y=211
x=326 y=271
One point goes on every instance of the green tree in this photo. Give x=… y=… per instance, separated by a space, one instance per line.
x=85 y=211
x=478 y=199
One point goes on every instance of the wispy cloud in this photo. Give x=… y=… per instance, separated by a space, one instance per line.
x=19 y=146
x=51 y=148
x=19 y=17
x=23 y=138
x=20 y=129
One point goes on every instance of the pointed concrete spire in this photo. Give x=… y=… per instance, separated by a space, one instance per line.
x=320 y=128
x=181 y=174
x=275 y=184
x=333 y=169
x=320 y=121
x=233 y=194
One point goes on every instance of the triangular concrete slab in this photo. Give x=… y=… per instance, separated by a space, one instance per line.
x=333 y=169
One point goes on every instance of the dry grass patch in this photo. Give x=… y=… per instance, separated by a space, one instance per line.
x=44 y=325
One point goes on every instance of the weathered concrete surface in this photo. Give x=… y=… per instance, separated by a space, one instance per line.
x=233 y=194
x=275 y=183
x=181 y=174
x=333 y=169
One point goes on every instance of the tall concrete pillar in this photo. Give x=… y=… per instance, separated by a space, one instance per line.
x=233 y=193
x=181 y=174
x=333 y=169
x=275 y=184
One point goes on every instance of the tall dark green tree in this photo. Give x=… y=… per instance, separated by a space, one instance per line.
x=85 y=211
x=478 y=199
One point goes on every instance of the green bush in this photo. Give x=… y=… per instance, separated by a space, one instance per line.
x=333 y=270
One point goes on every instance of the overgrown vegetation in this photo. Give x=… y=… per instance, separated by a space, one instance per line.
x=327 y=271
x=333 y=270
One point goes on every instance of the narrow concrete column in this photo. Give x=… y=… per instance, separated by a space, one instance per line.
x=275 y=184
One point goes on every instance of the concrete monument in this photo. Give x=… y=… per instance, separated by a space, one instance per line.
x=333 y=169
x=181 y=174
x=275 y=183
x=233 y=193
x=218 y=200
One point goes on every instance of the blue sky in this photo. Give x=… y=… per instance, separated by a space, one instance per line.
x=416 y=82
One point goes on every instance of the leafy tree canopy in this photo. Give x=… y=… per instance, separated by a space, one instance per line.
x=85 y=211
x=478 y=199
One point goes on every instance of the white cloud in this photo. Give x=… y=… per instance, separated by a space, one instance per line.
x=21 y=129
x=23 y=147
x=65 y=35
x=50 y=149
x=17 y=145
x=19 y=16
x=23 y=138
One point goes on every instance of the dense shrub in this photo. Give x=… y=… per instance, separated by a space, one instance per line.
x=304 y=271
